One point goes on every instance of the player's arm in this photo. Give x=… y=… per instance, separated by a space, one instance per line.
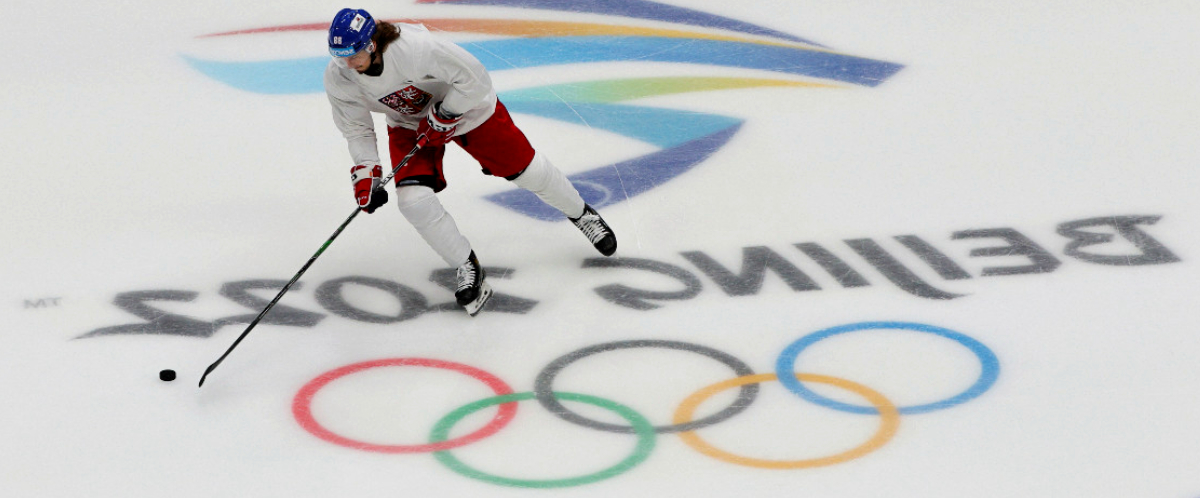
x=356 y=125
x=354 y=121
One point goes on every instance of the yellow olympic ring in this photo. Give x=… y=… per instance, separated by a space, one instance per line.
x=889 y=422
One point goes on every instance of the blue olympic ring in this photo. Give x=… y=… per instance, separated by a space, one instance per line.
x=785 y=367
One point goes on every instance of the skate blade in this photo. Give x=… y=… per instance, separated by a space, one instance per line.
x=485 y=292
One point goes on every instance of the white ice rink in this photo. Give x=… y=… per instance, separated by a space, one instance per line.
x=971 y=227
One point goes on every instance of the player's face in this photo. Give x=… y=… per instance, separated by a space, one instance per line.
x=360 y=61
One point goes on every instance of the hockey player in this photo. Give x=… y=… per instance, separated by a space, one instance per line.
x=433 y=92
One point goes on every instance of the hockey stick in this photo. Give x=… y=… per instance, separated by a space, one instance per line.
x=303 y=269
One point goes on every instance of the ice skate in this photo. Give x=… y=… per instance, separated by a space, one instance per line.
x=473 y=290
x=596 y=230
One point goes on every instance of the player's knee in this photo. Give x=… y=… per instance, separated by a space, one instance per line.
x=419 y=205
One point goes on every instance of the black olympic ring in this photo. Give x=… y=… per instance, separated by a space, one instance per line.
x=544 y=390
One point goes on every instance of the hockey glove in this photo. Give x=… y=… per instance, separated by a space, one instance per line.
x=367 y=191
x=437 y=129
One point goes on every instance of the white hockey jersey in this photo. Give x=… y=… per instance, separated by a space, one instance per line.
x=419 y=70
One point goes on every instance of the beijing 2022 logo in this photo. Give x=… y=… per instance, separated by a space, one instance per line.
x=683 y=139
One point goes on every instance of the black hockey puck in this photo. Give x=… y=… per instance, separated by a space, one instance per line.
x=167 y=375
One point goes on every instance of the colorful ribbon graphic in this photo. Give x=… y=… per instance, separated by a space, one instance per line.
x=685 y=138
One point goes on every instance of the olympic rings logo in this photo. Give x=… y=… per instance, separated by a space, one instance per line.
x=683 y=422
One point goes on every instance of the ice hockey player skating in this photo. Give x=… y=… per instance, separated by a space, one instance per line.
x=433 y=92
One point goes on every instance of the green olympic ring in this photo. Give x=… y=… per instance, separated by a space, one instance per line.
x=641 y=427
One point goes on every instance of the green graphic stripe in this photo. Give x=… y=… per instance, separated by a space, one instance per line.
x=617 y=90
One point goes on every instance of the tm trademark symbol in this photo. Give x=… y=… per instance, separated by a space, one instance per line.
x=45 y=302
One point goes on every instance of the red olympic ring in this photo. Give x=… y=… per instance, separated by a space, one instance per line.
x=302 y=406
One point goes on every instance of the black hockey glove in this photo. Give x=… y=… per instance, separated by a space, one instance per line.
x=378 y=198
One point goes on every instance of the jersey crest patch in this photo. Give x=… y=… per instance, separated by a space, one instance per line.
x=410 y=100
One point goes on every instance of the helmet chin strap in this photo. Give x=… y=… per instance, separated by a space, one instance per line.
x=376 y=67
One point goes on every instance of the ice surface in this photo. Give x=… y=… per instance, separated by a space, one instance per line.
x=951 y=199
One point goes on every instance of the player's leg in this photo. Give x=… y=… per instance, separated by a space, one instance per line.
x=416 y=195
x=502 y=149
x=550 y=185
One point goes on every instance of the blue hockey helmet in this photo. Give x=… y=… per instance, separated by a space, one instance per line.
x=350 y=32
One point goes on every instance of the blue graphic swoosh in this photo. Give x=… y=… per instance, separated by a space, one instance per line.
x=614 y=183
